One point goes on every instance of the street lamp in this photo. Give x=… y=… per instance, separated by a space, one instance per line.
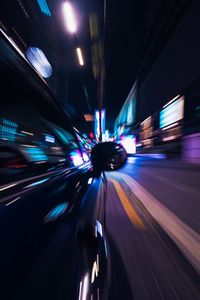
x=69 y=17
x=80 y=56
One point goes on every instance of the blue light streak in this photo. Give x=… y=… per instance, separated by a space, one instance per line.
x=106 y=249
x=44 y=7
x=56 y=212
x=8 y=130
x=37 y=183
x=39 y=61
x=49 y=138
x=36 y=154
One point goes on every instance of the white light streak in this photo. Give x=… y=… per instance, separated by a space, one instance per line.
x=13 y=44
x=7 y=187
x=95 y=269
x=85 y=285
x=170 y=126
x=171 y=101
x=26 y=132
x=69 y=17
x=76 y=129
x=12 y=201
x=146 y=120
x=80 y=291
x=89 y=180
x=99 y=228
x=80 y=57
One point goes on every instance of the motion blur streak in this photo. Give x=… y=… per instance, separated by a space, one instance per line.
x=80 y=56
x=37 y=183
x=162 y=261
x=44 y=7
x=26 y=132
x=185 y=237
x=84 y=287
x=69 y=17
x=13 y=43
x=95 y=269
x=89 y=180
x=39 y=61
x=13 y=201
x=56 y=212
x=7 y=187
x=133 y=216
x=98 y=228
x=80 y=290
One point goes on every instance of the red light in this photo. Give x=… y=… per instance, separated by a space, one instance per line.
x=91 y=135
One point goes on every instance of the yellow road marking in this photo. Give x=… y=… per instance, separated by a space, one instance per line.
x=131 y=212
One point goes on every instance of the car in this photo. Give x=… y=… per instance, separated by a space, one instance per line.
x=53 y=242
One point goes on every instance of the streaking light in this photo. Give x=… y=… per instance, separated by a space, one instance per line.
x=44 y=7
x=85 y=156
x=8 y=130
x=69 y=17
x=97 y=122
x=105 y=246
x=80 y=56
x=172 y=113
x=80 y=291
x=39 y=61
x=89 y=180
x=85 y=165
x=7 y=187
x=13 y=43
x=129 y=143
x=178 y=96
x=76 y=158
x=76 y=129
x=49 y=138
x=26 y=132
x=56 y=212
x=95 y=269
x=99 y=228
x=37 y=183
x=13 y=201
x=170 y=126
x=35 y=154
x=84 y=287
x=62 y=160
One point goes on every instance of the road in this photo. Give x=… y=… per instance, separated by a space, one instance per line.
x=140 y=240
x=153 y=226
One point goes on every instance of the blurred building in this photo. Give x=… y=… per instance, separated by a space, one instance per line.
x=127 y=116
x=168 y=93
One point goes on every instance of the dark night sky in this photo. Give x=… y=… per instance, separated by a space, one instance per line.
x=124 y=31
x=136 y=35
x=130 y=29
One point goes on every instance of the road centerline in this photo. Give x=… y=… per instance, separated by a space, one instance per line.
x=130 y=211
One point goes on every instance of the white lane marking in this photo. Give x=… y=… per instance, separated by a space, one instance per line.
x=185 y=237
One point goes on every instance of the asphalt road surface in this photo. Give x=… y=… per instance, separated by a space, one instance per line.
x=153 y=226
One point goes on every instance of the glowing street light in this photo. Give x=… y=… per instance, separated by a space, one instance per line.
x=69 y=17
x=80 y=57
